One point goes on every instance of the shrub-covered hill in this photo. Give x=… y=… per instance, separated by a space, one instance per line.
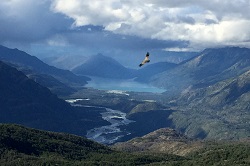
x=26 y=146
x=196 y=152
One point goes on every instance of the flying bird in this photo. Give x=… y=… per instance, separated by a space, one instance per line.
x=146 y=60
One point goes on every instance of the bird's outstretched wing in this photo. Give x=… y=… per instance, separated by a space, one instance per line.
x=146 y=60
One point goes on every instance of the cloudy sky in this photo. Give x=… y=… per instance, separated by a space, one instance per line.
x=76 y=27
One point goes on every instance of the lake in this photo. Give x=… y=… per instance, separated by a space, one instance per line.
x=122 y=84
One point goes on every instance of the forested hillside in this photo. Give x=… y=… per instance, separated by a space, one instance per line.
x=25 y=146
x=26 y=102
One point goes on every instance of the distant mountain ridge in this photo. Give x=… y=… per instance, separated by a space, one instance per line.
x=129 y=60
x=144 y=74
x=107 y=67
x=210 y=94
x=209 y=67
x=103 y=66
x=67 y=62
x=33 y=65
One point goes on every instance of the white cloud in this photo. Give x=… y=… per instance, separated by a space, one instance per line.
x=208 y=22
x=57 y=40
x=200 y=23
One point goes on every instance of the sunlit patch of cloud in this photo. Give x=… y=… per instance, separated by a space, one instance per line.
x=196 y=21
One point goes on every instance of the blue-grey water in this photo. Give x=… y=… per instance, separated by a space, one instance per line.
x=111 y=133
x=121 y=84
x=108 y=134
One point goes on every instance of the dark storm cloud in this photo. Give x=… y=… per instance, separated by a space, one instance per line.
x=102 y=39
x=127 y=24
x=35 y=22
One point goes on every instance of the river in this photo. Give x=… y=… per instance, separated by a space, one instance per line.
x=111 y=133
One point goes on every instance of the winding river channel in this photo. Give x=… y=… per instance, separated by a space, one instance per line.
x=111 y=133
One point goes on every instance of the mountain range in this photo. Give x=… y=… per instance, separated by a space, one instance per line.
x=103 y=66
x=219 y=111
x=128 y=59
x=210 y=93
x=207 y=95
x=23 y=101
x=207 y=68
x=144 y=74
x=66 y=62
x=40 y=71
x=107 y=67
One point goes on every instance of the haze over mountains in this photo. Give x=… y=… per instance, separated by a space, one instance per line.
x=207 y=96
x=223 y=107
x=26 y=102
x=209 y=67
x=72 y=91
x=103 y=66
x=106 y=67
x=66 y=62
x=56 y=79
x=128 y=60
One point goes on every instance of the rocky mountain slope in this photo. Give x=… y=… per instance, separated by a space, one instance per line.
x=209 y=67
x=220 y=111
